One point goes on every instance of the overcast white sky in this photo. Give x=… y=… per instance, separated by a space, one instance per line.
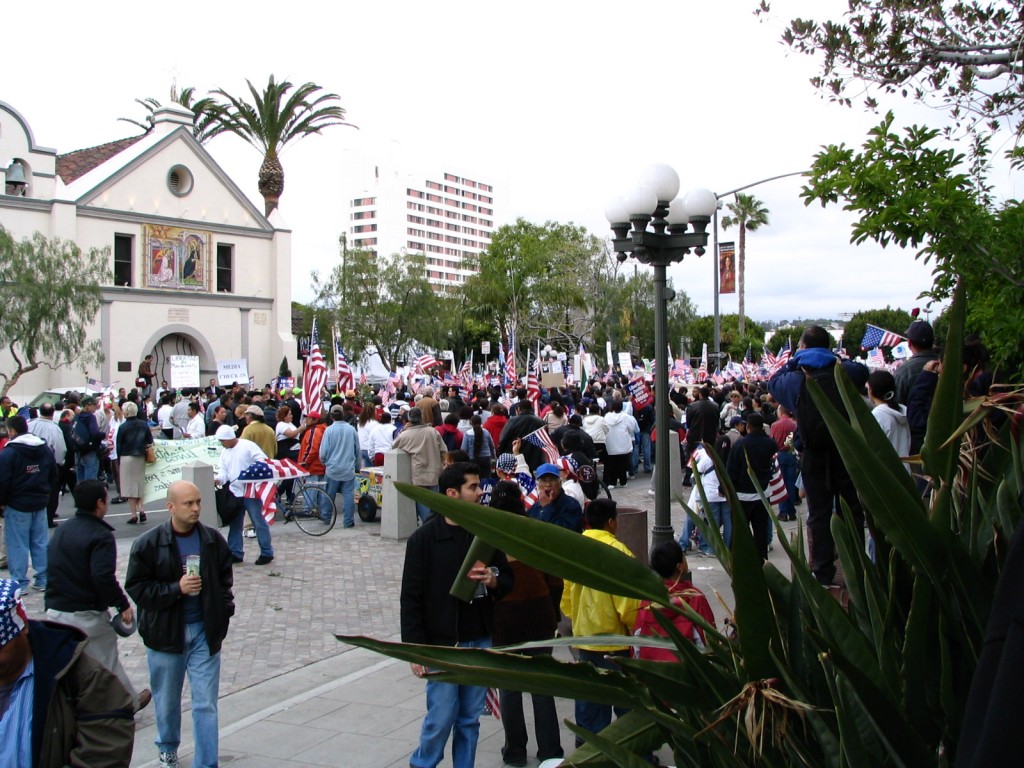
x=558 y=104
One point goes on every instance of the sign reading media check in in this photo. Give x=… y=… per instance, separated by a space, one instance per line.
x=232 y=371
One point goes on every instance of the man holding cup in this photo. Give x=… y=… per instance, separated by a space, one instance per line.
x=180 y=577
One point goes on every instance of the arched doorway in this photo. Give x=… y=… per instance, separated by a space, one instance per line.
x=180 y=340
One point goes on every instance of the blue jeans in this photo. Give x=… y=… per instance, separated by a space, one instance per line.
x=451 y=709
x=423 y=512
x=255 y=509
x=347 y=488
x=26 y=533
x=718 y=512
x=645 y=450
x=87 y=466
x=596 y=717
x=167 y=675
x=790 y=468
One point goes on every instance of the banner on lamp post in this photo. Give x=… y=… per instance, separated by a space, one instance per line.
x=727 y=267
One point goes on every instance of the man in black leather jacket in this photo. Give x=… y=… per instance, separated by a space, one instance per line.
x=184 y=610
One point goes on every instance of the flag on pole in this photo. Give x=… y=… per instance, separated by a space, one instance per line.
x=541 y=439
x=776 y=491
x=346 y=380
x=466 y=373
x=425 y=364
x=702 y=372
x=879 y=337
x=783 y=357
x=314 y=377
x=532 y=382
x=362 y=377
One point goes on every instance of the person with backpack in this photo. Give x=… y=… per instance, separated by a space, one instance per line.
x=86 y=436
x=825 y=477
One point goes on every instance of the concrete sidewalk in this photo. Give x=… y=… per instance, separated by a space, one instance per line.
x=291 y=695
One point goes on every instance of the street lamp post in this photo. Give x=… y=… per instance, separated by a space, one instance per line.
x=654 y=203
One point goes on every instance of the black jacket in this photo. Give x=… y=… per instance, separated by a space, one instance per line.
x=132 y=438
x=520 y=426
x=702 y=420
x=430 y=614
x=82 y=558
x=761 y=449
x=154 y=570
x=27 y=471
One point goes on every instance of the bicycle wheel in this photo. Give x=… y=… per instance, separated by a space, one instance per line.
x=307 y=511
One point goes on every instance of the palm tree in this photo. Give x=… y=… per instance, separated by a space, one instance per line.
x=748 y=213
x=206 y=121
x=274 y=118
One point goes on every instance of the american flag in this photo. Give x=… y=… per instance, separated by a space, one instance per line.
x=875 y=358
x=492 y=703
x=776 y=491
x=879 y=337
x=717 y=377
x=533 y=383
x=687 y=372
x=314 y=377
x=679 y=368
x=260 y=477
x=362 y=378
x=542 y=440
x=783 y=357
x=387 y=394
x=345 y=378
x=767 y=358
x=466 y=374
x=425 y=364
x=510 y=364
x=702 y=372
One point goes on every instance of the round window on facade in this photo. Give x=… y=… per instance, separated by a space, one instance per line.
x=179 y=180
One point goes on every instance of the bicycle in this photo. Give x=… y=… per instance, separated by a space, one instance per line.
x=306 y=507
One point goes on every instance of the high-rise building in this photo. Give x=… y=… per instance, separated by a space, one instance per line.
x=446 y=217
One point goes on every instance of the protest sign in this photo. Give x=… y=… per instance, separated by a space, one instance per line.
x=640 y=392
x=171 y=456
x=231 y=371
x=184 y=371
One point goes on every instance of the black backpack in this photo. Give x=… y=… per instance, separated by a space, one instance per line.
x=811 y=427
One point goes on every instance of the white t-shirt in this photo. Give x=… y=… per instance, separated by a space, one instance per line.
x=196 y=427
x=163 y=416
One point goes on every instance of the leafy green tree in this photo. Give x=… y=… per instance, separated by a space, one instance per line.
x=733 y=343
x=911 y=193
x=623 y=311
x=963 y=57
x=895 y=320
x=381 y=303
x=274 y=118
x=534 y=282
x=51 y=296
x=749 y=214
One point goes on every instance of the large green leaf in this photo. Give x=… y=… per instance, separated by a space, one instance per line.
x=537 y=674
x=894 y=507
x=549 y=548
x=622 y=745
x=755 y=621
x=940 y=454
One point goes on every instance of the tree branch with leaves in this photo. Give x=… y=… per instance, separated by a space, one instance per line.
x=49 y=300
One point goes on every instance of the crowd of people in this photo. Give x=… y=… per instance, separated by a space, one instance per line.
x=554 y=455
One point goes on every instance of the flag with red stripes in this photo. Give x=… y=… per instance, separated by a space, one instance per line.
x=533 y=383
x=314 y=377
x=542 y=440
x=492 y=703
x=260 y=482
x=425 y=364
x=776 y=491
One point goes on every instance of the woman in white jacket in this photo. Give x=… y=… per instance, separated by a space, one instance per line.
x=618 y=444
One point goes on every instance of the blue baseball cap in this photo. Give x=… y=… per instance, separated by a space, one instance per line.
x=547 y=469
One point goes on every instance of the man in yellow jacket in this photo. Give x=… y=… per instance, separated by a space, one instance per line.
x=599 y=613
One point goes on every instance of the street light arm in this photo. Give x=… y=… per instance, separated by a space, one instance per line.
x=757 y=183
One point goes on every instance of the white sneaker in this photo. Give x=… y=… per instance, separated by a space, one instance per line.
x=168 y=760
x=249 y=533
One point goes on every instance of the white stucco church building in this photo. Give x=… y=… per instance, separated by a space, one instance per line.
x=195 y=267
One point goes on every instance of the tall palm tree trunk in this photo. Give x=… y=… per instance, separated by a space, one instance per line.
x=740 y=270
x=271 y=183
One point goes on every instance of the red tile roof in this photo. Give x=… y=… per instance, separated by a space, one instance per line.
x=76 y=164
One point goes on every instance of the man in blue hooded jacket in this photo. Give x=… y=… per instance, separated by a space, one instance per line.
x=826 y=480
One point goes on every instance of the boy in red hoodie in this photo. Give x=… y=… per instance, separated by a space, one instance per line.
x=668 y=561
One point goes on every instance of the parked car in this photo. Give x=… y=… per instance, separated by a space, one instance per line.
x=57 y=396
